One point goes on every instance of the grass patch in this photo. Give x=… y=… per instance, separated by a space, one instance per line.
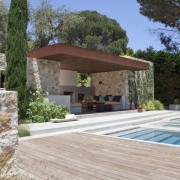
x=23 y=132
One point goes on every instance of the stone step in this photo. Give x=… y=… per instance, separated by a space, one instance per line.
x=112 y=115
x=51 y=128
x=129 y=123
x=117 y=119
x=145 y=125
x=115 y=130
x=94 y=124
x=94 y=115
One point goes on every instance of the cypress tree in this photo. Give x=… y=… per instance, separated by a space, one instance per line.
x=16 y=48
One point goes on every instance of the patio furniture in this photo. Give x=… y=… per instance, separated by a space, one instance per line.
x=108 y=107
x=116 y=106
x=103 y=107
x=116 y=102
x=100 y=108
x=87 y=105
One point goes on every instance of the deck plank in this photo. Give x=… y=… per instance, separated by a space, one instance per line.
x=87 y=156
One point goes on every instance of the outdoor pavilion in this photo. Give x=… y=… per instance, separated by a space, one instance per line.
x=54 y=68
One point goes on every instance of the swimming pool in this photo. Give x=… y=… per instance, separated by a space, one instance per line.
x=175 y=123
x=160 y=136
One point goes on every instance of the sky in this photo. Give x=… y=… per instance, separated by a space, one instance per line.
x=126 y=12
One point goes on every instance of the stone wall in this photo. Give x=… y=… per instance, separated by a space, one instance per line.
x=2 y=61
x=116 y=83
x=111 y=83
x=44 y=75
x=8 y=135
x=41 y=74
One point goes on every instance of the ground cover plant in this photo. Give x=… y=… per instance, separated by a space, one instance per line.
x=23 y=132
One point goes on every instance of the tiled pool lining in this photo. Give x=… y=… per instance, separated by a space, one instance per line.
x=167 y=135
x=137 y=140
x=149 y=135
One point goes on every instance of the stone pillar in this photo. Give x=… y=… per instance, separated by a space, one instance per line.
x=8 y=135
x=43 y=75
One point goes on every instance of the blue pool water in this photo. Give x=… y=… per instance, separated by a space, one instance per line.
x=159 y=136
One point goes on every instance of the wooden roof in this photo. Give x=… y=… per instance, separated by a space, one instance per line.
x=85 y=60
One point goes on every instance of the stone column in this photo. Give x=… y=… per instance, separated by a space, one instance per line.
x=8 y=135
x=43 y=75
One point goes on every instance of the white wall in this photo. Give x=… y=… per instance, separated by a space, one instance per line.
x=59 y=100
x=68 y=78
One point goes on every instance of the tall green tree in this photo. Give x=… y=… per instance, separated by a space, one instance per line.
x=90 y=29
x=16 y=48
x=87 y=29
x=3 y=25
x=95 y=31
x=45 y=21
x=168 y=13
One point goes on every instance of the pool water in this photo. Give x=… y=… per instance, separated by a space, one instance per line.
x=167 y=137
x=173 y=123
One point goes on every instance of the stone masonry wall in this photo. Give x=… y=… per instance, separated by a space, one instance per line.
x=116 y=83
x=8 y=135
x=111 y=83
x=43 y=75
x=2 y=61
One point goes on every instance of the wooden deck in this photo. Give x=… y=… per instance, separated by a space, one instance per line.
x=79 y=156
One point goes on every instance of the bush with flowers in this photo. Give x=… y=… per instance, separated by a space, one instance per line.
x=153 y=105
x=149 y=106
x=41 y=111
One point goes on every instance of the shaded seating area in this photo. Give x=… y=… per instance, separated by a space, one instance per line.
x=98 y=104
x=111 y=103
x=102 y=104
x=54 y=69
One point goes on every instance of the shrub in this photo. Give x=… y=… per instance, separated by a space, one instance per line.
x=153 y=105
x=23 y=132
x=149 y=106
x=158 y=105
x=36 y=95
x=41 y=111
x=144 y=106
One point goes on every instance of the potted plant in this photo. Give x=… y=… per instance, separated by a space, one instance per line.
x=140 y=107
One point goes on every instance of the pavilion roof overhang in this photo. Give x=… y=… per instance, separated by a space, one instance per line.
x=85 y=60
